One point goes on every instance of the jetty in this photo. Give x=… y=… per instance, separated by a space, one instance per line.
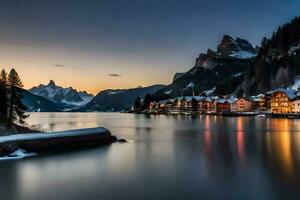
x=55 y=141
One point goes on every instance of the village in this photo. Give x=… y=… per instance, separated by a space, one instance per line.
x=282 y=102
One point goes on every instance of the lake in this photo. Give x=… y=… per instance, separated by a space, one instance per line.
x=166 y=157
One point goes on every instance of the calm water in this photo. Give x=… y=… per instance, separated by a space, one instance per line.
x=167 y=157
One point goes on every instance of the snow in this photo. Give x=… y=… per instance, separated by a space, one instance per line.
x=18 y=154
x=209 y=92
x=50 y=92
x=190 y=85
x=242 y=54
x=114 y=92
x=168 y=92
x=296 y=85
x=237 y=74
x=288 y=91
x=57 y=134
x=293 y=49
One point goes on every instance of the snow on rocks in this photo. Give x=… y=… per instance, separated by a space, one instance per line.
x=242 y=54
x=58 y=134
x=10 y=145
x=18 y=154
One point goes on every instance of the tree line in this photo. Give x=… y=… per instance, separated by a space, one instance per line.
x=12 y=110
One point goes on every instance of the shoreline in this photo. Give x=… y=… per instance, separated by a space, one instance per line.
x=228 y=114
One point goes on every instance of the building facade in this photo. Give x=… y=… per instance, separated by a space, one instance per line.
x=281 y=101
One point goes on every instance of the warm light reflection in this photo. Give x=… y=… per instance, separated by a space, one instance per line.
x=207 y=137
x=281 y=145
x=240 y=140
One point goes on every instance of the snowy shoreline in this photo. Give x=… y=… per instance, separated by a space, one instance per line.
x=17 y=145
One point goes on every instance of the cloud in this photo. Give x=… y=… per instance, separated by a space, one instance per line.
x=58 y=65
x=67 y=67
x=115 y=75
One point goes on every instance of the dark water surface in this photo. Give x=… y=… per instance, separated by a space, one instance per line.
x=167 y=157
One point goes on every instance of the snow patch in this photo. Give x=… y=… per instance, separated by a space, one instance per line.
x=18 y=154
x=242 y=55
x=168 y=92
x=237 y=74
x=57 y=134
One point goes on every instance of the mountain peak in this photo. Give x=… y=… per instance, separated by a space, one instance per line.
x=51 y=83
x=230 y=46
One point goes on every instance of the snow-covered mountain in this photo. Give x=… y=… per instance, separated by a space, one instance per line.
x=69 y=97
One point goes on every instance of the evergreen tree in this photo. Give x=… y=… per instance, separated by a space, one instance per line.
x=137 y=103
x=194 y=104
x=147 y=101
x=16 y=111
x=3 y=97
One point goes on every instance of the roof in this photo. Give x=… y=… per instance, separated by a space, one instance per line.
x=289 y=92
x=163 y=101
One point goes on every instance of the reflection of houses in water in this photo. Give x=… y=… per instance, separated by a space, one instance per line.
x=240 y=140
x=279 y=145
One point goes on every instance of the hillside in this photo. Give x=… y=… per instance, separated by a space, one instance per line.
x=118 y=100
x=277 y=62
x=35 y=103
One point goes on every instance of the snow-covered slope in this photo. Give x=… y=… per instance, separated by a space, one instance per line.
x=60 y=95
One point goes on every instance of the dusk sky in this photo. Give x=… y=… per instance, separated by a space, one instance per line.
x=98 y=44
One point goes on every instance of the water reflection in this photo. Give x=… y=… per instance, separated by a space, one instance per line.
x=203 y=157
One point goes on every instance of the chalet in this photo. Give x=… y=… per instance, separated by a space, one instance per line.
x=243 y=104
x=207 y=105
x=222 y=105
x=233 y=105
x=281 y=100
x=296 y=104
x=261 y=102
x=153 y=106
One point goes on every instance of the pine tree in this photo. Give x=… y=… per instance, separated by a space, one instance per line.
x=194 y=104
x=16 y=111
x=3 y=97
x=147 y=101
x=137 y=103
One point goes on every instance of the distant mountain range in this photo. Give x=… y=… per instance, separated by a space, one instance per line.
x=63 y=97
x=118 y=100
x=53 y=98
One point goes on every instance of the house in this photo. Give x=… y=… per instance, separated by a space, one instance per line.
x=222 y=105
x=281 y=100
x=296 y=104
x=261 y=102
x=243 y=104
x=233 y=105
x=153 y=106
x=207 y=105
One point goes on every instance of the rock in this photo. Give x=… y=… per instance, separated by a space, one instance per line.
x=228 y=46
x=177 y=75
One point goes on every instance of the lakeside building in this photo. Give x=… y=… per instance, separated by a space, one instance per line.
x=281 y=100
x=277 y=101
x=243 y=104
x=222 y=105
x=207 y=105
x=296 y=104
